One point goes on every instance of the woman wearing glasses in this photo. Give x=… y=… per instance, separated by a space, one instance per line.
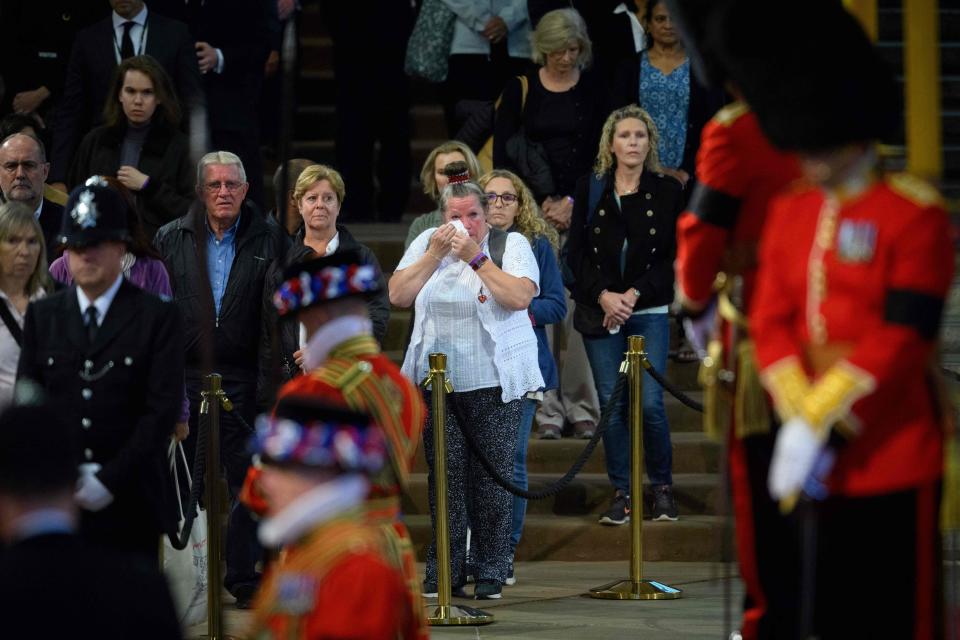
x=512 y=207
x=319 y=193
x=472 y=286
x=141 y=143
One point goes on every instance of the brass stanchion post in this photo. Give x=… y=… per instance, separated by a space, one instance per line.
x=636 y=588
x=212 y=397
x=444 y=613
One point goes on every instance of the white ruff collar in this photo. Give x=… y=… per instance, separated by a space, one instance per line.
x=312 y=508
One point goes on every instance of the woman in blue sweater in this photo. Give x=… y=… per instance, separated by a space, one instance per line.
x=512 y=207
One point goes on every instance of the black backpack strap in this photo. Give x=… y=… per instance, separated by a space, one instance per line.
x=12 y=325
x=497 y=243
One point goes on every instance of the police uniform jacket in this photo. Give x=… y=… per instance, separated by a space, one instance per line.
x=122 y=392
x=646 y=222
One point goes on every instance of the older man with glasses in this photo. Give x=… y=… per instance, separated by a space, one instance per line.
x=218 y=254
x=23 y=171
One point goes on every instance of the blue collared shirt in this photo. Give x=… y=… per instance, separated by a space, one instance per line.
x=220 y=255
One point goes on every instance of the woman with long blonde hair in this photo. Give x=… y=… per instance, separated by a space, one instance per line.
x=512 y=207
x=621 y=251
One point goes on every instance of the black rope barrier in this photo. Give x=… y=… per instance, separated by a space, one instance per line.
x=618 y=390
x=196 y=490
x=670 y=387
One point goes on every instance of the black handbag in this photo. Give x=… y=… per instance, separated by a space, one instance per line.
x=530 y=160
x=588 y=320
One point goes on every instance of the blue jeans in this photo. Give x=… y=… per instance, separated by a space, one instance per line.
x=520 y=469
x=605 y=354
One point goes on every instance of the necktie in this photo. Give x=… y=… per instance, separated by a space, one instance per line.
x=126 y=44
x=90 y=319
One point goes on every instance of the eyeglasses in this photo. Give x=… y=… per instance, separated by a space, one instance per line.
x=28 y=165
x=214 y=187
x=506 y=198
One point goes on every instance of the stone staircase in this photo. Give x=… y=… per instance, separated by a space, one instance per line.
x=563 y=527
x=890 y=44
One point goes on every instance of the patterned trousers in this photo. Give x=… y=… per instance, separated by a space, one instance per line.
x=472 y=496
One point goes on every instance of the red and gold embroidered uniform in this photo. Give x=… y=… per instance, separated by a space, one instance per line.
x=357 y=375
x=738 y=173
x=338 y=582
x=849 y=298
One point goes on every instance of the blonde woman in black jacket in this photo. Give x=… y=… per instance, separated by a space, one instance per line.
x=621 y=251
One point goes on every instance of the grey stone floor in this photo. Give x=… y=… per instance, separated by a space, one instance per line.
x=548 y=602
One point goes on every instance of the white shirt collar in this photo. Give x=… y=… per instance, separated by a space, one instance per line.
x=140 y=18
x=102 y=303
x=333 y=245
x=638 y=40
x=36 y=213
x=313 y=508
x=330 y=335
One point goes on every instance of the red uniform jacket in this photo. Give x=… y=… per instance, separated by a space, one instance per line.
x=851 y=292
x=738 y=172
x=338 y=582
x=356 y=374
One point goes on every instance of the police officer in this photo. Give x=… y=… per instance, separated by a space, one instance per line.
x=110 y=357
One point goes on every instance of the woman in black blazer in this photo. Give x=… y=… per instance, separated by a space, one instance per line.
x=141 y=143
x=620 y=253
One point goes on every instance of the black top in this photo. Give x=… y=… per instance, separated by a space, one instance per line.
x=566 y=123
x=55 y=586
x=646 y=220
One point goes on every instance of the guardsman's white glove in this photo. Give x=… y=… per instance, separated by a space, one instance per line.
x=794 y=455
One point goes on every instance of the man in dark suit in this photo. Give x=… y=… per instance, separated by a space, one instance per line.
x=130 y=30
x=35 y=40
x=110 y=356
x=47 y=568
x=232 y=38
x=23 y=170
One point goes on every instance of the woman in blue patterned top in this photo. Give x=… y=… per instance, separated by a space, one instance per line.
x=659 y=79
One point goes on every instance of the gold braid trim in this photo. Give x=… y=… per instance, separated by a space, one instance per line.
x=831 y=397
x=716 y=400
x=340 y=537
x=787 y=382
x=365 y=391
x=751 y=407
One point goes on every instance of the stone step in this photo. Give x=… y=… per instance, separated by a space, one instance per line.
x=589 y=493
x=317 y=86
x=319 y=122
x=890 y=24
x=690 y=539
x=323 y=150
x=892 y=52
x=316 y=52
x=693 y=452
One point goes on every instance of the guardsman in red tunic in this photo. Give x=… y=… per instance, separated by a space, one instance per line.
x=738 y=172
x=854 y=270
x=344 y=366
x=336 y=576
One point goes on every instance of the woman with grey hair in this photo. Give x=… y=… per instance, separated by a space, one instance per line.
x=472 y=286
x=562 y=113
x=23 y=279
